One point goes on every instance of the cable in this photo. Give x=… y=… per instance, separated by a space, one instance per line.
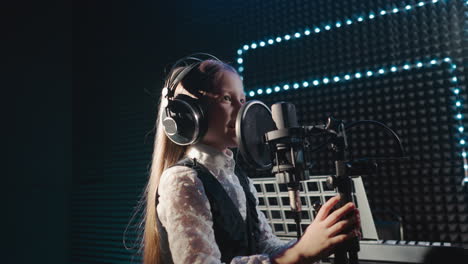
x=395 y=136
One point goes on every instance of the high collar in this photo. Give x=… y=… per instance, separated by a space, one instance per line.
x=212 y=158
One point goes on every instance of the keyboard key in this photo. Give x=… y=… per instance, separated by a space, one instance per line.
x=424 y=243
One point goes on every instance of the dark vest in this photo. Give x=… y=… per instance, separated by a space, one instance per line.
x=234 y=236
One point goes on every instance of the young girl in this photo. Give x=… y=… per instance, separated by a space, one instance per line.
x=204 y=209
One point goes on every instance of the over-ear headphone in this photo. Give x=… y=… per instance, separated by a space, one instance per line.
x=184 y=118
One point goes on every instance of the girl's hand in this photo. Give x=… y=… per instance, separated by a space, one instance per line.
x=327 y=231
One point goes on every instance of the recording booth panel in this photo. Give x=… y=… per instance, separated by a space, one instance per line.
x=382 y=240
x=274 y=202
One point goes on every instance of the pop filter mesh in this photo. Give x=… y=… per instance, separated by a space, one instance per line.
x=253 y=121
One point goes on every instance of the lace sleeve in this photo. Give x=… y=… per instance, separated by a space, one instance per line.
x=185 y=212
x=269 y=243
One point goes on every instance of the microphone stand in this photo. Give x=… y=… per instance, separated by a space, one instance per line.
x=284 y=141
x=347 y=252
x=291 y=166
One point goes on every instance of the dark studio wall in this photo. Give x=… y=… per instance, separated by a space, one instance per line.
x=37 y=132
x=120 y=50
x=398 y=62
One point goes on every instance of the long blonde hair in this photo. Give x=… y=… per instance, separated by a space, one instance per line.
x=166 y=153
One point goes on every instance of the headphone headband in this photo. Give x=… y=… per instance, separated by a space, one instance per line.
x=178 y=78
x=172 y=84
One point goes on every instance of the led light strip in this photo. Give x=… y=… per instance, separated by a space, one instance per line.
x=327 y=27
x=465 y=180
x=358 y=75
x=450 y=66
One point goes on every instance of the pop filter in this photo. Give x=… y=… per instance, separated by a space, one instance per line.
x=253 y=122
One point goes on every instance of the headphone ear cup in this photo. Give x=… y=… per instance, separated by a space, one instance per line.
x=184 y=120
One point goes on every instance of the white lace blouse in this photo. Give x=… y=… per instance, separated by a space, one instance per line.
x=184 y=210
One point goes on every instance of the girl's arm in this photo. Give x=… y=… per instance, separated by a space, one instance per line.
x=318 y=241
x=185 y=212
x=269 y=243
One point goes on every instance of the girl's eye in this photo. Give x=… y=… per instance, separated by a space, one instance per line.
x=227 y=98
x=242 y=101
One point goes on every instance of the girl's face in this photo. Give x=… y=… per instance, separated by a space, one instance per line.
x=225 y=104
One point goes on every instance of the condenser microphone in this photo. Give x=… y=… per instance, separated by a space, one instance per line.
x=275 y=141
x=288 y=143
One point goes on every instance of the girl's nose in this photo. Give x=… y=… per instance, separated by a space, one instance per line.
x=237 y=107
